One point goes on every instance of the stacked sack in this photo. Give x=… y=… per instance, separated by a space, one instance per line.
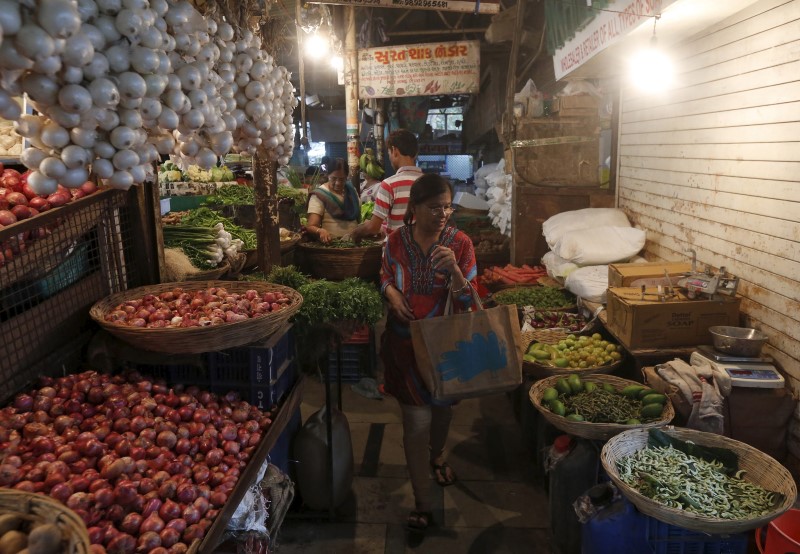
x=582 y=244
x=498 y=195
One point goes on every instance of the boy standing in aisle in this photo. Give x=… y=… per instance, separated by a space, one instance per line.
x=392 y=196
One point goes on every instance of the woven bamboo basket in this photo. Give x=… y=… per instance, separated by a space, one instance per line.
x=761 y=469
x=340 y=263
x=38 y=508
x=585 y=429
x=195 y=340
x=552 y=336
x=209 y=274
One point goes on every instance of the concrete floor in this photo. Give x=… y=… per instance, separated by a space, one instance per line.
x=494 y=508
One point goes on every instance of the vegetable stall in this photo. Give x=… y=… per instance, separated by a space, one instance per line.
x=148 y=459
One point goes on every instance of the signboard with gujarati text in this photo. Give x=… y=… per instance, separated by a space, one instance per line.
x=419 y=69
x=483 y=6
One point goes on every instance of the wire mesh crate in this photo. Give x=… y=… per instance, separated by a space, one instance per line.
x=54 y=267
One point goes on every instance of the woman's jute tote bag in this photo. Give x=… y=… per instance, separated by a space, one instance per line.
x=469 y=354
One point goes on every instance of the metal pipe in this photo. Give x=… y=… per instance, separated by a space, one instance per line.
x=378 y=131
x=301 y=65
x=511 y=80
x=351 y=94
x=400 y=19
x=437 y=32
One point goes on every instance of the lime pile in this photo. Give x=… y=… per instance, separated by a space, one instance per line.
x=575 y=352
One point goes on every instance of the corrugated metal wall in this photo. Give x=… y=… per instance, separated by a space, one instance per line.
x=715 y=166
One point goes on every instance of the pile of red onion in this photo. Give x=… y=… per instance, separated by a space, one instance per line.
x=18 y=201
x=200 y=308
x=146 y=467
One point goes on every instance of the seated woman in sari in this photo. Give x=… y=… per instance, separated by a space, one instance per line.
x=334 y=208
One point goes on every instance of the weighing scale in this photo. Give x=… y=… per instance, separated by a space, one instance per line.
x=744 y=372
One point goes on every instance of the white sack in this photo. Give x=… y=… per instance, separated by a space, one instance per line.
x=589 y=283
x=557 y=267
x=600 y=245
x=556 y=226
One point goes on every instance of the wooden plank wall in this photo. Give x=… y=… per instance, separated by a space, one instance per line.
x=715 y=166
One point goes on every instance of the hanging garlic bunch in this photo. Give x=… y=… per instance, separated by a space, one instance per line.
x=116 y=83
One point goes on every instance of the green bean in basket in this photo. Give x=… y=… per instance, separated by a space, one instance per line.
x=539 y=297
x=679 y=480
x=584 y=400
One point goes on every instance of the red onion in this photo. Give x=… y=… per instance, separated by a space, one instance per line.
x=201 y=504
x=104 y=497
x=166 y=439
x=214 y=457
x=80 y=501
x=178 y=524
x=186 y=493
x=131 y=523
x=79 y=483
x=201 y=474
x=167 y=489
x=169 y=510
x=179 y=548
x=122 y=544
x=148 y=541
x=115 y=512
x=218 y=499
x=193 y=532
x=9 y=475
x=125 y=492
x=96 y=485
x=191 y=514
x=96 y=534
x=152 y=523
x=27 y=486
x=61 y=492
x=231 y=447
x=151 y=507
x=169 y=537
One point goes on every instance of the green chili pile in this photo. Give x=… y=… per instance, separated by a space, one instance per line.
x=538 y=297
x=678 y=480
x=602 y=406
x=232 y=195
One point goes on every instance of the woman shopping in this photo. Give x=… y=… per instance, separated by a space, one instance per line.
x=334 y=209
x=424 y=261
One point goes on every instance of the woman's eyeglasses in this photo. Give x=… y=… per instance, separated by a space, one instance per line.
x=441 y=210
x=337 y=180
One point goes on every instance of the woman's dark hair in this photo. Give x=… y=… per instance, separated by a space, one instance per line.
x=405 y=141
x=337 y=164
x=426 y=187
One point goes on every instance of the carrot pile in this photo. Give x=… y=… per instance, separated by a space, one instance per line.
x=513 y=275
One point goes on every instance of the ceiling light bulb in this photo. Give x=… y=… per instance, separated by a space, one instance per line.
x=316 y=46
x=651 y=70
x=337 y=62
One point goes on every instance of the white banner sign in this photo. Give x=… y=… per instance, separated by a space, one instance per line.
x=604 y=30
x=490 y=6
x=419 y=69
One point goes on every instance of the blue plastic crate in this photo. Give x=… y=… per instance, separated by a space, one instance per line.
x=174 y=374
x=356 y=362
x=669 y=539
x=72 y=269
x=280 y=454
x=263 y=395
x=255 y=364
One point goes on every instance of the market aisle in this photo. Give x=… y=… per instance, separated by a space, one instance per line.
x=494 y=508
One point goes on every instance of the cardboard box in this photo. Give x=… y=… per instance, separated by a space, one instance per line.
x=575 y=105
x=646 y=324
x=622 y=275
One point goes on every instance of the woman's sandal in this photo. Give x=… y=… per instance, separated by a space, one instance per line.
x=419 y=521
x=444 y=474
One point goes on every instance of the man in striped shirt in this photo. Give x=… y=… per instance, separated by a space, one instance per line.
x=392 y=196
